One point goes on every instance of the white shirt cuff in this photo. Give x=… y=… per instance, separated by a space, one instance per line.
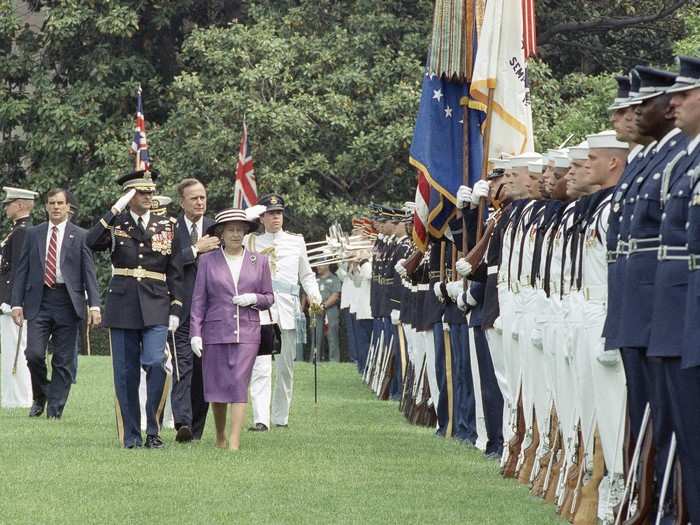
x=195 y=251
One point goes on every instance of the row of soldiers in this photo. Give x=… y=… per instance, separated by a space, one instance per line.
x=565 y=341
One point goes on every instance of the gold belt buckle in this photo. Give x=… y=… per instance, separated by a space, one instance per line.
x=139 y=273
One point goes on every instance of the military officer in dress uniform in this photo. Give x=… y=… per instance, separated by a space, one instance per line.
x=16 y=382
x=143 y=302
x=290 y=266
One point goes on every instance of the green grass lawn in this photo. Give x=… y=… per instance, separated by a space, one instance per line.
x=349 y=459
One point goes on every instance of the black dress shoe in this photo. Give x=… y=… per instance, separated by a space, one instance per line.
x=37 y=408
x=184 y=434
x=53 y=417
x=281 y=426
x=258 y=427
x=132 y=446
x=154 y=441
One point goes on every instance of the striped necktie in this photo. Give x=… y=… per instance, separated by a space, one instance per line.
x=50 y=274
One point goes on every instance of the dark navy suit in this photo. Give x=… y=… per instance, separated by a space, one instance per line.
x=54 y=312
x=189 y=407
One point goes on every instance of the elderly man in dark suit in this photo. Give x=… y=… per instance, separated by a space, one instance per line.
x=189 y=407
x=55 y=271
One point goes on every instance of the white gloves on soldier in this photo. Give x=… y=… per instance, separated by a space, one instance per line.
x=254 y=212
x=437 y=290
x=464 y=196
x=480 y=190
x=395 y=317
x=460 y=302
x=245 y=299
x=5 y=309
x=454 y=288
x=120 y=205
x=197 y=346
x=463 y=267
x=400 y=268
x=173 y=322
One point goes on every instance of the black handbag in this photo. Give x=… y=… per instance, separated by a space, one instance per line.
x=270 y=340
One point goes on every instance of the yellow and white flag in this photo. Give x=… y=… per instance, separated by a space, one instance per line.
x=500 y=64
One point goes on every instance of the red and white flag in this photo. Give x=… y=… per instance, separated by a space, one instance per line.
x=245 y=191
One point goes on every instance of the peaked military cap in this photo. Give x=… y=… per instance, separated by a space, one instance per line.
x=688 y=76
x=623 y=93
x=141 y=180
x=272 y=202
x=12 y=194
x=653 y=82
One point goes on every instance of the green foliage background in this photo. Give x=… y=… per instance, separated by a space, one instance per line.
x=329 y=90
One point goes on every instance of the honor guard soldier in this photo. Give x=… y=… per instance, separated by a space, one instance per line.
x=290 y=266
x=143 y=302
x=14 y=374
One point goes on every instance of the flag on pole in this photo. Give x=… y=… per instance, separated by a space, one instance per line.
x=500 y=65
x=529 y=33
x=139 y=145
x=437 y=152
x=245 y=190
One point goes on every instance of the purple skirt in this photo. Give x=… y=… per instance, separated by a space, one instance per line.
x=226 y=370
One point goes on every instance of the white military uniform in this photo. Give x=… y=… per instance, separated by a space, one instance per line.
x=290 y=266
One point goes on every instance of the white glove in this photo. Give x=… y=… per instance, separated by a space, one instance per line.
x=463 y=267
x=173 y=322
x=120 y=205
x=464 y=196
x=395 y=315
x=254 y=212
x=245 y=299
x=470 y=299
x=498 y=325
x=536 y=338
x=197 y=346
x=437 y=290
x=454 y=288
x=608 y=357
x=400 y=268
x=5 y=309
x=481 y=190
x=460 y=302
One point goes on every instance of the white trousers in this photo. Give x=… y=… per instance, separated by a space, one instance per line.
x=16 y=391
x=261 y=389
x=481 y=436
x=284 y=384
x=495 y=339
x=609 y=389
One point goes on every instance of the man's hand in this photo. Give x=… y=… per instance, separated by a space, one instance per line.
x=197 y=346
x=315 y=309
x=173 y=322
x=480 y=191
x=454 y=288
x=437 y=290
x=395 y=316
x=400 y=268
x=207 y=243
x=122 y=202
x=464 y=196
x=18 y=316
x=463 y=267
x=5 y=309
x=95 y=318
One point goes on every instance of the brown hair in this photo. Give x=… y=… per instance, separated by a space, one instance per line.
x=55 y=191
x=186 y=183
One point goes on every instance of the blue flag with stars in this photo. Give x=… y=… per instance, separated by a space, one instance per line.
x=437 y=150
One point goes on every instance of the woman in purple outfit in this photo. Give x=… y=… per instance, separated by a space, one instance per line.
x=232 y=286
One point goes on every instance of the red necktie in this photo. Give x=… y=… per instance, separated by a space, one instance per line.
x=50 y=275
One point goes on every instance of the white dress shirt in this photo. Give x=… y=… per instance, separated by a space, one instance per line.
x=145 y=218
x=200 y=233
x=59 y=241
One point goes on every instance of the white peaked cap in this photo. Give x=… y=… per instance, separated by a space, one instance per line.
x=606 y=140
x=18 y=193
x=522 y=161
x=579 y=152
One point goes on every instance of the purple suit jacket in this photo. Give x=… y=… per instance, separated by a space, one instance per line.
x=213 y=316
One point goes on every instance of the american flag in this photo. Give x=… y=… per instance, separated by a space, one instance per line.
x=529 y=32
x=139 y=146
x=245 y=191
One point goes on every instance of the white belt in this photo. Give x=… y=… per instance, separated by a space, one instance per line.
x=491 y=270
x=595 y=293
x=423 y=287
x=285 y=287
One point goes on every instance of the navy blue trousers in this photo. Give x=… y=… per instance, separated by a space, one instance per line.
x=189 y=407
x=363 y=337
x=638 y=381
x=491 y=397
x=348 y=320
x=131 y=350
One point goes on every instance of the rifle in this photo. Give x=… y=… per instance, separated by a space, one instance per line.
x=514 y=444
x=645 y=493
x=476 y=254
x=413 y=261
x=20 y=329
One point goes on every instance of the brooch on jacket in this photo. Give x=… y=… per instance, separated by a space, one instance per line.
x=253 y=258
